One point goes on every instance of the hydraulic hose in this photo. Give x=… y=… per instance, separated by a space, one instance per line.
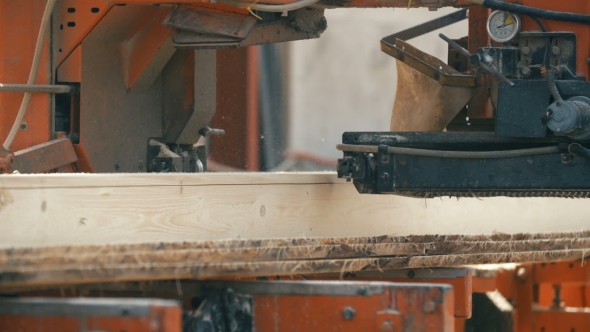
x=271 y=8
x=450 y=154
x=551 y=84
x=535 y=12
x=33 y=74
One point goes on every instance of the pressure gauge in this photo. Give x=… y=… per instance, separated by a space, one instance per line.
x=503 y=26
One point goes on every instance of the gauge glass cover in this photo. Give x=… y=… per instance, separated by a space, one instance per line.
x=503 y=26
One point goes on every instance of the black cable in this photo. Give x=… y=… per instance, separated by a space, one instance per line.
x=536 y=12
x=450 y=154
x=539 y=23
x=547 y=54
x=578 y=150
x=551 y=84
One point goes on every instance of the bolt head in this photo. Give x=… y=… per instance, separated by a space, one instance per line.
x=526 y=71
x=348 y=313
x=429 y=307
x=387 y=326
x=526 y=50
x=557 y=115
x=555 y=50
x=521 y=273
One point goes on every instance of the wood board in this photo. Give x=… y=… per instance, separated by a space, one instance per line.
x=100 y=209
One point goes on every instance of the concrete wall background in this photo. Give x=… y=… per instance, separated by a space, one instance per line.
x=343 y=82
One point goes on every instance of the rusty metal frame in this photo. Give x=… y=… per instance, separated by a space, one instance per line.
x=45 y=156
x=96 y=314
x=427 y=64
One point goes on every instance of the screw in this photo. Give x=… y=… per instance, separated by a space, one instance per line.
x=526 y=50
x=411 y=274
x=385 y=176
x=387 y=326
x=555 y=50
x=24 y=126
x=566 y=158
x=117 y=165
x=348 y=313
x=526 y=71
x=429 y=307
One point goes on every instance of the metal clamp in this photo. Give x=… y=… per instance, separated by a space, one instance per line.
x=477 y=59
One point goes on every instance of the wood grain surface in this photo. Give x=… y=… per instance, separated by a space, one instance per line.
x=84 y=209
x=27 y=268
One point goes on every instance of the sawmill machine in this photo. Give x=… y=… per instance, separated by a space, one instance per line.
x=130 y=86
x=104 y=86
x=506 y=115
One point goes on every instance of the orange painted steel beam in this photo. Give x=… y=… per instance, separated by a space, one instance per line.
x=76 y=19
x=19 y=26
x=462 y=285
x=566 y=320
x=139 y=50
x=483 y=285
x=71 y=69
x=573 y=273
x=393 y=310
x=72 y=315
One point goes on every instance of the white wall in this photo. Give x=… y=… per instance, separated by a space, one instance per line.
x=344 y=82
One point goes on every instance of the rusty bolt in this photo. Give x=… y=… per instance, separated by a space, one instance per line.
x=387 y=326
x=429 y=307
x=555 y=50
x=348 y=313
x=526 y=50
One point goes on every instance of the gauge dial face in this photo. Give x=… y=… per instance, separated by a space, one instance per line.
x=503 y=26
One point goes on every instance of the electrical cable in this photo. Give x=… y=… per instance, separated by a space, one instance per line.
x=547 y=54
x=33 y=74
x=271 y=8
x=450 y=154
x=539 y=23
x=551 y=84
x=535 y=12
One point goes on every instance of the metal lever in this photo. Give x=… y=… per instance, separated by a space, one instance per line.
x=207 y=131
x=476 y=59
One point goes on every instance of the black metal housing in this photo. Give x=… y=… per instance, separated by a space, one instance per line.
x=557 y=174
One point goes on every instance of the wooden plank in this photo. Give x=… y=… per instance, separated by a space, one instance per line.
x=125 y=254
x=83 y=209
x=29 y=277
x=61 y=266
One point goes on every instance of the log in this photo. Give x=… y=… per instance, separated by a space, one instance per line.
x=104 y=209
x=60 y=230
x=63 y=266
